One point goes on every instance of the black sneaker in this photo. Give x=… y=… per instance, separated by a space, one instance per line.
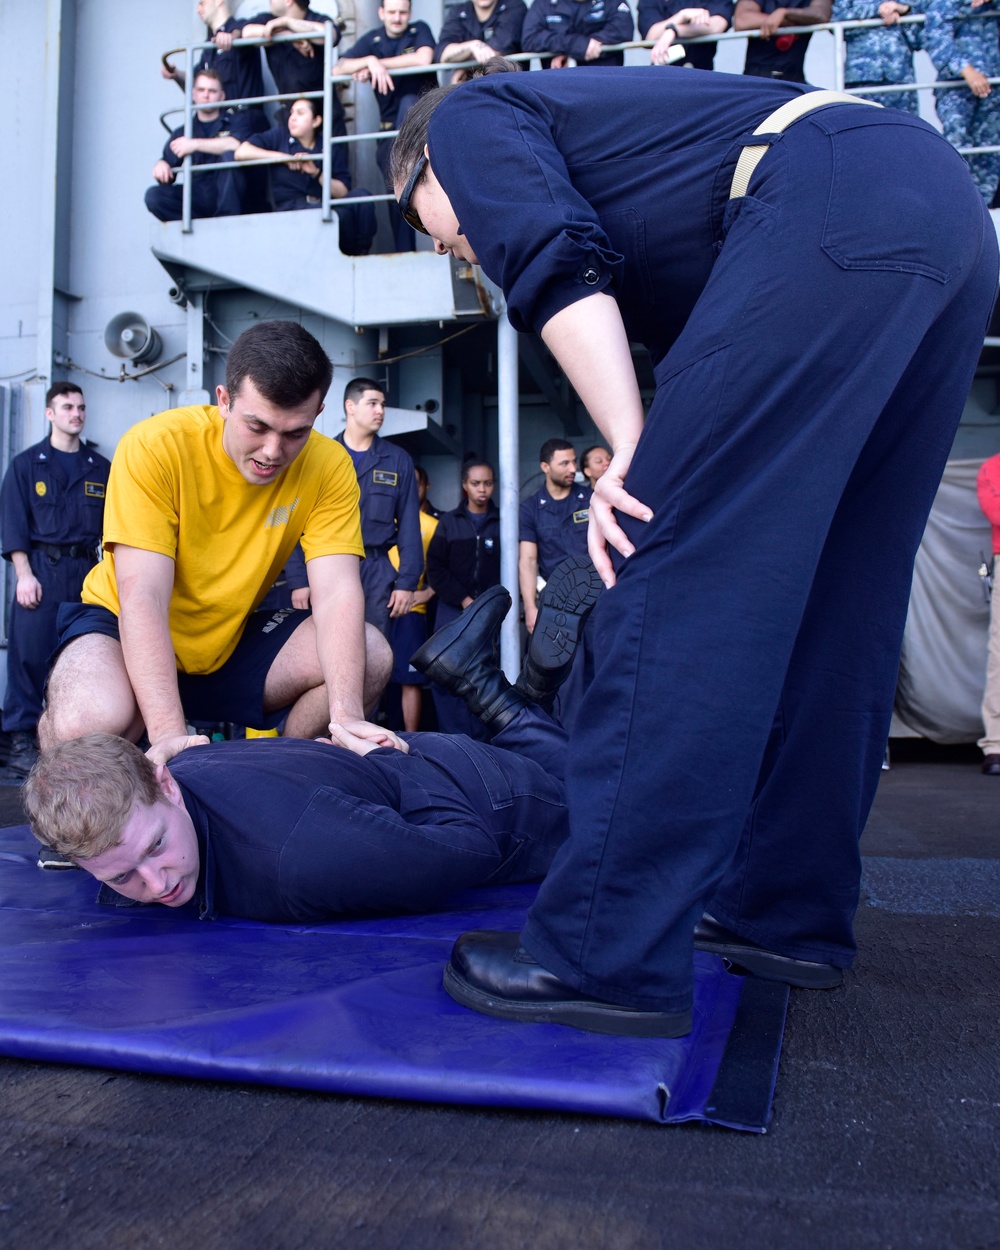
x=47 y=858
x=23 y=753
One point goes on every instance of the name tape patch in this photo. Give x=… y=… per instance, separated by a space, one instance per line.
x=94 y=489
x=581 y=516
x=384 y=477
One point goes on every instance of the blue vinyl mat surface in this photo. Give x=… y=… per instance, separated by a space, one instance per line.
x=354 y=1007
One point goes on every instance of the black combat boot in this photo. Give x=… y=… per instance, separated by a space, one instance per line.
x=563 y=608
x=464 y=659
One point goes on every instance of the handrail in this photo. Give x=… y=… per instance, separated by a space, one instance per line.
x=331 y=78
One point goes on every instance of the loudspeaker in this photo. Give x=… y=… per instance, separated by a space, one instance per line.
x=131 y=337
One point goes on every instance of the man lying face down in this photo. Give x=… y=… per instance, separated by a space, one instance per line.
x=291 y=830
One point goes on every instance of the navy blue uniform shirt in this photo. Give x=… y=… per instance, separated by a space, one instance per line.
x=560 y=200
x=567 y=27
x=699 y=55
x=287 y=184
x=557 y=526
x=781 y=56
x=230 y=122
x=390 y=506
x=501 y=30
x=239 y=68
x=41 y=503
x=377 y=43
x=294 y=71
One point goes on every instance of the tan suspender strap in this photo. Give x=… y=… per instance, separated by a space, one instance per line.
x=780 y=120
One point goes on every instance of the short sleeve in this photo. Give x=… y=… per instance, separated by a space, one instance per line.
x=141 y=508
x=333 y=526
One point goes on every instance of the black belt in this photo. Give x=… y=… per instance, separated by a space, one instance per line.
x=75 y=550
x=372 y=552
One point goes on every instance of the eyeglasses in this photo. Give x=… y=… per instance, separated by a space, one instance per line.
x=409 y=214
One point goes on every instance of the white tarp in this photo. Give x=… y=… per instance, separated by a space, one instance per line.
x=943 y=667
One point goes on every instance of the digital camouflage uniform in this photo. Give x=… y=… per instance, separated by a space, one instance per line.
x=954 y=38
x=882 y=54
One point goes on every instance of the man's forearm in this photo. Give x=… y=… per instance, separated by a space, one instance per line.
x=21 y=563
x=148 y=651
x=340 y=643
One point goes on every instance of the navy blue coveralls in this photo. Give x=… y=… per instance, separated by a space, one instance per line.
x=699 y=55
x=559 y=529
x=813 y=343
x=293 y=830
x=294 y=189
x=390 y=509
x=501 y=30
x=566 y=27
x=240 y=71
x=56 y=518
x=212 y=195
x=294 y=72
x=395 y=104
x=463 y=559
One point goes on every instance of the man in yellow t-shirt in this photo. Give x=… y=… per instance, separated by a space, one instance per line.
x=204 y=507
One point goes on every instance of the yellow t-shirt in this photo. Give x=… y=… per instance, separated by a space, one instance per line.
x=428 y=524
x=173 y=490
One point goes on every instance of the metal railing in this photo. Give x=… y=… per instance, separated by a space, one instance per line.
x=331 y=79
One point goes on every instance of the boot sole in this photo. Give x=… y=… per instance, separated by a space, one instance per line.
x=563 y=609
x=768 y=966
x=585 y=1014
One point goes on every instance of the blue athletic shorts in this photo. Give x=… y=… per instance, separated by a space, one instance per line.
x=234 y=692
x=406 y=634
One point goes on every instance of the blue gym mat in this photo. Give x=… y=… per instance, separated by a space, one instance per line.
x=354 y=1007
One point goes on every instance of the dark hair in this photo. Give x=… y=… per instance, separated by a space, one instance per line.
x=357 y=387
x=421 y=473
x=283 y=361
x=61 y=388
x=476 y=462
x=596 y=447
x=551 y=446
x=210 y=73
x=412 y=137
x=315 y=106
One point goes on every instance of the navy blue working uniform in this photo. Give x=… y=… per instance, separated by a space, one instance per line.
x=212 y=195
x=51 y=508
x=566 y=27
x=296 y=189
x=395 y=104
x=698 y=55
x=241 y=75
x=813 y=343
x=557 y=526
x=293 y=830
x=299 y=70
x=390 y=509
x=463 y=560
x=501 y=30
x=783 y=55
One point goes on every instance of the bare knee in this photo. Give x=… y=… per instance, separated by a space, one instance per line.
x=88 y=691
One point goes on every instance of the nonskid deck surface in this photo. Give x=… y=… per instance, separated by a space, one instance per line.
x=885 y=1121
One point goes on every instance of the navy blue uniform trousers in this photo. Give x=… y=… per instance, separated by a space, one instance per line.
x=728 y=751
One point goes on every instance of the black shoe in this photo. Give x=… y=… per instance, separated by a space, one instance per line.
x=464 y=659
x=493 y=973
x=23 y=753
x=991 y=765
x=710 y=936
x=563 y=608
x=47 y=858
